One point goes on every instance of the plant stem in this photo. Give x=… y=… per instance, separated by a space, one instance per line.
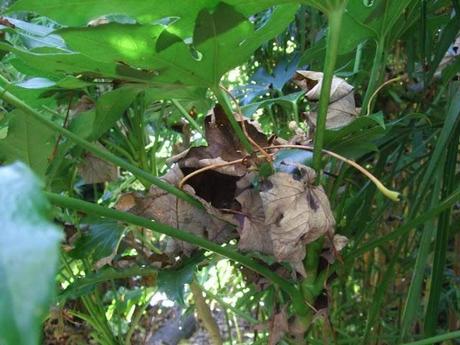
x=333 y=36
x=358 y=56
x=436 y=339
x=233 y=309
x=205 y=314
x=101 y=153
x=118 y=149
x=375 y=76
x=190 y=119
x=138 y=122
x=442 y=239
x=182 y=235
x=139 y=311
x=223 y=100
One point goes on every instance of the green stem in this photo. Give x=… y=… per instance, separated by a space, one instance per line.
x=139 y=311
x=101 y=153
x=358 y=56
x=301 y=24
x=437 y=339
x=375 y=76
x=442 y=239
x=295 y=111
x=119 y=150
x=233 y=309
x=190 y=119
x=224 y=101
x=140 y=129
x=205 y=314
x=333 y=36
x=101 y=211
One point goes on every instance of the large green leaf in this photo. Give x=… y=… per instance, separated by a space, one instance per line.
x=28 y=141
x=222 y=40
x=79 y=13
x=29 y=250
x=157 y=56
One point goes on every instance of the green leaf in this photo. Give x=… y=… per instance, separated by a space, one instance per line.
x=172 y=281
x=110 y=107
x=33 y=97
x=29 y=251
x=100 y=239
x=84 y=285
x=34 y=35
x=28 y=141
x=362 y=22
x=83 y=124
x=285 y=101
x=79 y=13
x=357 y=138
x=53 y=62
x=222 y=40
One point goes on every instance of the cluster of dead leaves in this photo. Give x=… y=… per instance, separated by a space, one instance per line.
x=276 y=216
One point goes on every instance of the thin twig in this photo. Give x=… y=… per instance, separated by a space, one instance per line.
x=208 y=167
x=388 y=193
x=59 y=138
x=378 y=90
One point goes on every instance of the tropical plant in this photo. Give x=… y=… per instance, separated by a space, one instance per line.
x=288 y=170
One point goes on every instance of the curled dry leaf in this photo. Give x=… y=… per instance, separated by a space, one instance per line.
x=297 y=212
x=342 y=108
x=288 y=212
x=223 y=145
x=166 y=208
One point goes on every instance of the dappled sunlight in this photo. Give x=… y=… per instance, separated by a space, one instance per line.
x=131 y=48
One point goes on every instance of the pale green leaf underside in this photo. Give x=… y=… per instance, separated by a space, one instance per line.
x=28 y=256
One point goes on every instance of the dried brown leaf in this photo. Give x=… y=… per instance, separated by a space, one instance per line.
x=95 y=170
x=332 y=248
x=223 y=145
x=342 y=108
x=278 y=327
x=166 y=208
x=254 y=234
x=297 y=212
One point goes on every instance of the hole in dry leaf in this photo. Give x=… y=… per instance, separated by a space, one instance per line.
x=216 y=188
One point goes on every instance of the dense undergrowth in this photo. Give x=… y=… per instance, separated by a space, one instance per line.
x=286 y=170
